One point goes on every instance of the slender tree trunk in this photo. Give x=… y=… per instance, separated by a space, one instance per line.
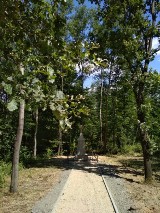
x=17 y=144
x=81 y=68
x=106 y=126
x=100 y=109
x=113 y=101
x=35 y=134
x=114 y=121
x=15 y=162
x=60 y=147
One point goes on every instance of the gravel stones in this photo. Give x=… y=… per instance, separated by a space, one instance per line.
x=116 y=185
x=46 y=204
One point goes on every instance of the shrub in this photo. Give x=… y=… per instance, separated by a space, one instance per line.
x=48 y=154
x=5 y=169
x=132 y=149
x=25 y=155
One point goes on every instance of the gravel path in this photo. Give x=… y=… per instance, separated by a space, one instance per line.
x=80 y=190
x=46 y=204
x=84 y=192
x=117 y=189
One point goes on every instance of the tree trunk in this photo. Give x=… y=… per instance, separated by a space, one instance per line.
x=139 y=95
x=17 y=144
x=114 y=120
x=100 y=109
x=146 y=155
x=15 y=162
x=143 y=134
x=106 y=126
x=35 y=134
x=60 y=149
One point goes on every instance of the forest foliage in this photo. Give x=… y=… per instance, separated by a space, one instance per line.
x=59 y=45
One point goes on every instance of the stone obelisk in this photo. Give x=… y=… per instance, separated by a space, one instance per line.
x=81 y=145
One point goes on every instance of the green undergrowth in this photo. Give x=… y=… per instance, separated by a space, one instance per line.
x=125 y=149
x=5 y=170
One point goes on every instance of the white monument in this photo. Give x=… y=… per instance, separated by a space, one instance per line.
x=81 y=145
x=81 y=153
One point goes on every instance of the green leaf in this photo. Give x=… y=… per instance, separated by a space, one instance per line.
x=59 y=95
x=10 y=78
x=52 y=106
x=11 y=106
x=7 y=88
x=62 y=124
x=51 y=81
x=50 y=71
x=68 y=123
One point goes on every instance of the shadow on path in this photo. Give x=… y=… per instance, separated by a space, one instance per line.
x=129 y=166
x=64 y=163
x=116 y=171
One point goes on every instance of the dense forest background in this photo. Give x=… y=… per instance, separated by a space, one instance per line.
x=48 y=49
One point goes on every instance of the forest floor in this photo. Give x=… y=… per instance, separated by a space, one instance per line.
x=35 y=182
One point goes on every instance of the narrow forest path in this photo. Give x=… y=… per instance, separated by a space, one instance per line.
x=84 y=192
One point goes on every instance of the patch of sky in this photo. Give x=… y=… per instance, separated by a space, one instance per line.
x=155 y=64
x=86 y=2
x=88 y=82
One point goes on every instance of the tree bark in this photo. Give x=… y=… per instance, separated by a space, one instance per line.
x=140 y=100
x=106 y=126
x=17 y=144
x=143 y=134
x=35 y=134
x=15 y=162
x=100 y=109
x=146 y=155
x=60 y=148
x=114 y=121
